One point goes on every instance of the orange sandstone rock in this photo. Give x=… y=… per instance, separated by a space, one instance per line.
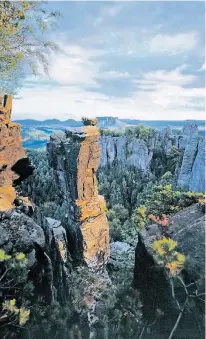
x=75 y=158
x=11 y=152
x=92 y=206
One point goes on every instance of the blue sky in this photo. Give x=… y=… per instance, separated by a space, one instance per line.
x=142 y=60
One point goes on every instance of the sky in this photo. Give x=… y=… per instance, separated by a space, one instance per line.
x=142 y=60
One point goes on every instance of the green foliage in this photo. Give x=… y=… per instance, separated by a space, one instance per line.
x=167 y=256
x=160 y=199
x=140 y=132
x=4 y=256
x=121 y=185
x=22 y=27
x=23 y=313
x=111 y=132
x=125 y=189
x=14 y=290
x=119 y=309
x=174 y=159
x=41 y=186
x=139 y=217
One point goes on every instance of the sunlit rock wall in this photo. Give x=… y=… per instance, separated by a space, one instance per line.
x=75 y=157
x=14 y=164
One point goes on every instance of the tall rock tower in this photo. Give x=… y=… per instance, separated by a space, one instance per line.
x=75 y=158
x=13 y=162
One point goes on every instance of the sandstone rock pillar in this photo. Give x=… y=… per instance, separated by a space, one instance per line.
x=75 y=157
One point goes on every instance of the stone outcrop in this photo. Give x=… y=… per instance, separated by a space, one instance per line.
x=45 y=247
x=188 y=161
x=75 y=158
x=140 y=153
x=13 y=162
x=197 y=177
x=43 y=241
x=187 y=227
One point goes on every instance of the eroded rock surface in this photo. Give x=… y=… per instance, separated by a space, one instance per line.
x=13 y=161
x=42 y=242
x=140 y=153
x=188 y=229
x=188 y=161
x=75 y=157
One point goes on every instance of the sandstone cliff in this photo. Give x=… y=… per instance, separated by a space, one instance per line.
x=12 y=155
x=140 y=153
x=18 y=231
x=75 y=157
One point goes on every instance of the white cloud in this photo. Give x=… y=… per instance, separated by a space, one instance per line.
x=114 y=75
x=111 y=10
x=165 y=98
x=166 y=89
x=73 y=65
x=202 y=68
x=174 y=44
x=106 y=12
x=173 y=77
x=157 y=94
x=77 y=66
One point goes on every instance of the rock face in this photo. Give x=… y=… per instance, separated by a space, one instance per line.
x=132 y=152
x=188 y=229
x=197 y=177
x=13 y=162
x=188 y=161
x=45 y=247
x=140 y=153
x=75 y=157
x=44 y=243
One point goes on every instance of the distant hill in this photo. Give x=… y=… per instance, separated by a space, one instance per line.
x=35 y=133
x=49 y=122
x=107 y=122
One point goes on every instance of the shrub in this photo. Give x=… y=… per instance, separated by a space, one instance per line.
x=13 y=282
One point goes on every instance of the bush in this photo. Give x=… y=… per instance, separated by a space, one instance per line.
x=111 y=132
x=164 y=199
x=15 y=292
x=140 y=132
